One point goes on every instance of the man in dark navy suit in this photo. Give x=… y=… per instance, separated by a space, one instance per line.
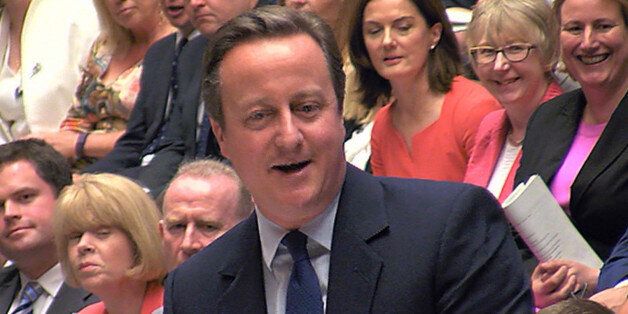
x=134 y=152
x=32 y=175
x=325 y=236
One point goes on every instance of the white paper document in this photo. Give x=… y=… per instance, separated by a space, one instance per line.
x=544 y=226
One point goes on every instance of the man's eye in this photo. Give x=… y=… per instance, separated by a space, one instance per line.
x=207 y=227
x=25 y=197
x=308 y=109
x=177 y=226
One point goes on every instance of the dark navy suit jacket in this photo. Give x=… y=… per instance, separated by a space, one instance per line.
x=67 y=300
x=399 y=246
x=145 y=120
x=616 y=267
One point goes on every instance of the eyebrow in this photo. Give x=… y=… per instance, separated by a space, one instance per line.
x=399 y=19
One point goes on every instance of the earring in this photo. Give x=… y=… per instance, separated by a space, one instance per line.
x=432 y=47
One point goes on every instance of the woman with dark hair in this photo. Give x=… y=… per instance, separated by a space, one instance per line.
x=406 y=49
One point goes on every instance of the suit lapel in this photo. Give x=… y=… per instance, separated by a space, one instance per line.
x=560 y=136
x=354 y=267
x=612 y=142
x=160 y=82
x=69 y=300
x=242 y=274
x=9 y=286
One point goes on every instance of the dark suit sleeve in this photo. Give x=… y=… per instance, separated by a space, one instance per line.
x=479 y=269
x=616 y=267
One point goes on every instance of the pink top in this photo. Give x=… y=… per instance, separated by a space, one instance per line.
x=584 y=141
x=490 y=141
x=152 y=300
x=441 y=150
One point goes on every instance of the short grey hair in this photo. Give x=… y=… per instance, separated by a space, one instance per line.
x=208 y=169
x=268 y=22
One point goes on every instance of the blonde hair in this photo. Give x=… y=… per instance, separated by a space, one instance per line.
x=529 y=20
x=97 y=200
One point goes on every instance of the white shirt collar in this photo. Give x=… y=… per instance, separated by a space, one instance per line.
x=320 y=229
x=51 y=281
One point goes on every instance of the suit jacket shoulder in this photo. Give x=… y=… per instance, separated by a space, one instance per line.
x=67 y=300
x=616 y=267
x=398 y=246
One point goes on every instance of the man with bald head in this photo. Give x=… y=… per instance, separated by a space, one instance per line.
x=204 y=200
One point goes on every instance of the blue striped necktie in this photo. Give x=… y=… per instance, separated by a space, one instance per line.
x=304 y=293
x=31 y=292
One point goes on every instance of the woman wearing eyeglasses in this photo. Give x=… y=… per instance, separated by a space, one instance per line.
x=513 y=47
x=406 y=49
x=578 y=142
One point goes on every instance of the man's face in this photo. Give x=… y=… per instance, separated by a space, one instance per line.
x=196 y=212
x=174 y=10
x=209 y=15
x=283 y=132
x=26 y=209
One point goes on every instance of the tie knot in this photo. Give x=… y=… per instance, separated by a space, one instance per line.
x=296 y=242
x=32 y=291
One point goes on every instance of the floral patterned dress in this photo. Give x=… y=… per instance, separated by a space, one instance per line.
x=100 y=107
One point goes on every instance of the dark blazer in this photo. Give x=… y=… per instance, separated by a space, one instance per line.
x=185 y=128
x=399 y=246
x=145 y=120
x=599 y=194
x=67 y=300
x=616 y=267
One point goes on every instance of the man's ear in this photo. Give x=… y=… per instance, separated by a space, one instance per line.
x=219 y=134
x=161 y=228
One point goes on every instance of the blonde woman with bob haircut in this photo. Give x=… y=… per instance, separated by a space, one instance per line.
x=106 y=231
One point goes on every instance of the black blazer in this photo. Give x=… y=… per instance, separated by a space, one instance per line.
x=181 y=134
x=399 y=246
x=67 y=300
x=599 y=194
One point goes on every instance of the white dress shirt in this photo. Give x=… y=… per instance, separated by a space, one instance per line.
x=278 y=262
x=51 y=281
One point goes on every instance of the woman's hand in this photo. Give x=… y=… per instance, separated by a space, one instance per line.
x=63 y=141
x=555 y=280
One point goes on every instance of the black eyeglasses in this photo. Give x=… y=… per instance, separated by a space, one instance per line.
x=488 y=54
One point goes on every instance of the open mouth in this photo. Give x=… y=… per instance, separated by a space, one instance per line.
x=174 y=10
x=292 y=167
x=391 y=58
x=588 y=60
x=506 y=82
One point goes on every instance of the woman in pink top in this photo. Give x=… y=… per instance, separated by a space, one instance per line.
x=578 y=142
x=515 y=65
x=406 y=49
x=108 y=243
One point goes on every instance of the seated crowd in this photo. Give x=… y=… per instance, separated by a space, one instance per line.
x=338 y=155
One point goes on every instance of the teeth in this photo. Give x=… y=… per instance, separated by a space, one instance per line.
x=291 y=167
x=593 y=59
x=506 y=82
